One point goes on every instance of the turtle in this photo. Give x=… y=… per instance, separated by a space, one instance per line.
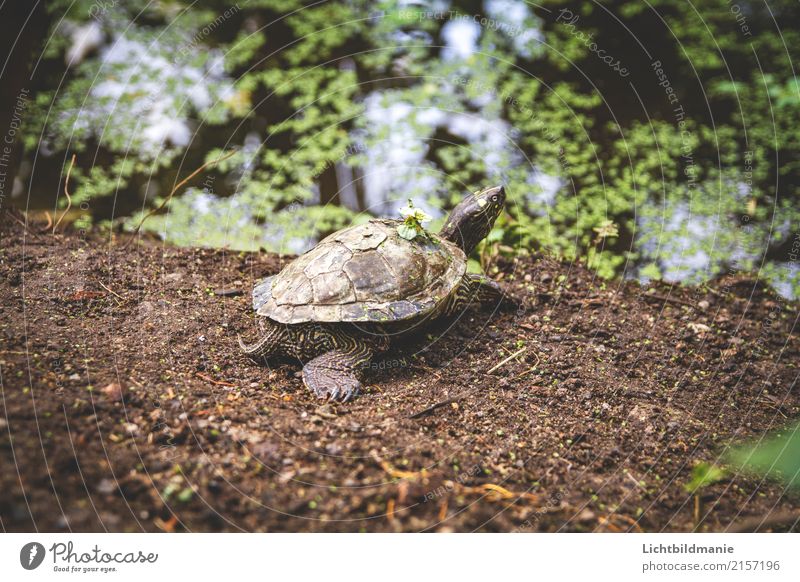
x=336 y=306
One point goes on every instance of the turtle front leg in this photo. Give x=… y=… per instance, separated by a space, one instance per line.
x=474 y=287
x=337 y=374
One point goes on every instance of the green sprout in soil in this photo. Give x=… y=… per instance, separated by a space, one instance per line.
x=413 y=220
x=703 y=475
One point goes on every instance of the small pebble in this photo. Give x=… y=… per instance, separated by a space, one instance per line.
x=106 y=487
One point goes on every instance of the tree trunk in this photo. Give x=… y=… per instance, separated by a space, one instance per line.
x=23 y=29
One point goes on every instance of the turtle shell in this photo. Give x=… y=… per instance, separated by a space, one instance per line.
x=363 y=273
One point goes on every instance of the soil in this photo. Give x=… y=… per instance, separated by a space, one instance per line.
x=127 y=406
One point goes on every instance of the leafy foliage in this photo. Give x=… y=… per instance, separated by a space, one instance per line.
x=777 y=455
x=349 y=107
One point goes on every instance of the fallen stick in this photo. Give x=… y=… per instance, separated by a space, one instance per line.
x=464 y=394
x=529 y=370
x=438 y=405
x=110 y=291
x=66 y=193
x=23 y=224
x=217 y=382
x=508 y=359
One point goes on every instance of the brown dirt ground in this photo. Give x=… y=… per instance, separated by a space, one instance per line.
x=127 y=406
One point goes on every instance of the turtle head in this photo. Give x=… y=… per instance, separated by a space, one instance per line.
x=473 y=218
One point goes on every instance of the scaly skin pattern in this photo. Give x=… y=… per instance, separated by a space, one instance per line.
x=335 y=356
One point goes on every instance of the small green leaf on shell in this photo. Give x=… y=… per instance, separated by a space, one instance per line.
x=407 y=232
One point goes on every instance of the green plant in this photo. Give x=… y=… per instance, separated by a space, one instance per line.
x=703 y=475
x=413 y=221
x=686 y=178
x=777 y=455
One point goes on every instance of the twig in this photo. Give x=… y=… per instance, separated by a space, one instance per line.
x=491 y=491
x=397 y=473
x=495 y=492
x=166 y=526
x=23 y=225
x=66 y=193
x=432 y=371
x=508 y=359
x=174 y=190
x=696 y=511
x=390 y=510
x=49 y=221
x=505 y=349
x=639 y=485
x=438 y=405
x=443 y=509
x=607 y=521
x=217 y=382
x=531 y=369
x=466 y=393
x=110 y=291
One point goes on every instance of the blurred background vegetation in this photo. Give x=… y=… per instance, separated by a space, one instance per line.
x=650 y=139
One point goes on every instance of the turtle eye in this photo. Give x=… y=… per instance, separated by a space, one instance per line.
x=494 y=198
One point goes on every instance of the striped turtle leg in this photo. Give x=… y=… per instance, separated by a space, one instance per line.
x=484 y=289
x=473 y=288
x=337 y=373
x=271 y=342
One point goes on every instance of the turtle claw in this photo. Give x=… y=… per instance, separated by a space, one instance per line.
x=351 y=392
x=335 y=375
x=344 y=391
x=332 y=384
